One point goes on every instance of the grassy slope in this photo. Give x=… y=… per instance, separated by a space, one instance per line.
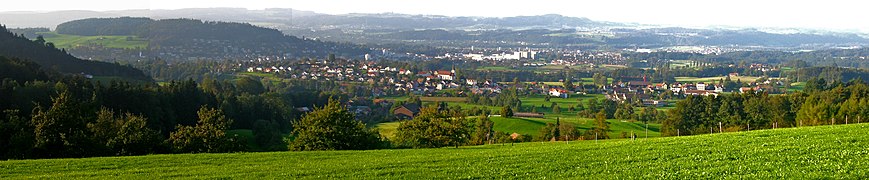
x=68 y=41
x=531 y=126
x=527 y=102
x=797 y=86
x=812 y=152
x=564 y=104
x=387 y=129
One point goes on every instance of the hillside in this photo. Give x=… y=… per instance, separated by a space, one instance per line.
x=46 y=55
x=809 y=152
x=191 y=38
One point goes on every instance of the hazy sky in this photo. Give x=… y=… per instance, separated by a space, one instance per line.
x=821 y=14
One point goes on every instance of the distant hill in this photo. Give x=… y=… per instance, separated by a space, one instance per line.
x=105 y=26
x=30 y=33
x=47 y=19
x=47 y=56
x=185 y=38
x=297 y=18
x=521 y=31
x=404 y=21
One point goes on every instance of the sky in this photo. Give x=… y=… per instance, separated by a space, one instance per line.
x=816 y=14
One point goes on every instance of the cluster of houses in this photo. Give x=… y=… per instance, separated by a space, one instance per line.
x=429 y=82
x=642 y=90
x=400 y=79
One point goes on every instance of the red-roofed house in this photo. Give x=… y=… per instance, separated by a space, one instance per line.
x=445 y=75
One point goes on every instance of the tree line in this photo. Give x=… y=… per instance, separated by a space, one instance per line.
x=823 y=104
x=46 y=114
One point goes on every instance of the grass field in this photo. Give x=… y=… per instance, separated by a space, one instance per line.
x=679 y=63
x=536 y=101
x=69 y=41
x=797 y=86
x=387 y=129
x=560 y=67
x=821 y=152
x=532 y=126
x=108 y=79
x=497 y=68
x=591 y=80
x=256 y=74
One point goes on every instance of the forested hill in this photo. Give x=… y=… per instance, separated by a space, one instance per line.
x=206 y=38
x=168 y=30
x=47 y=56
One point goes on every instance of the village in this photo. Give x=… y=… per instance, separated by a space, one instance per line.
x=394 y=81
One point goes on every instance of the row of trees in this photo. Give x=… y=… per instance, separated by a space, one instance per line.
x=72 y=127
x=333 y=128
x=840 y=104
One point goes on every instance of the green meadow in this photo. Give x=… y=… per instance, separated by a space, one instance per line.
x=532 y=126
x=820 y=152
x=68 y=41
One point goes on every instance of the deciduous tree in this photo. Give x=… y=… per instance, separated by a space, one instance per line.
x=332 y=127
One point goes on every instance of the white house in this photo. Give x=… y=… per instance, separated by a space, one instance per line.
x=471 y=81
x=558 y=92
x=445 y=75
x=701 y=86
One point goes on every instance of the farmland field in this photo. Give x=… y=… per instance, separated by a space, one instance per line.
x=531 y=126
x=69 y=41
x=497 y=68
x=797 y=86
x=820 y=152
x=387 y=129
x=679 y=63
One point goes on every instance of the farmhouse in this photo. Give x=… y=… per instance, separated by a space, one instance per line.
x=701 y=92
x=654 y=103
x=407 y=111
x=749 y=89
x=638 y=84
x=558 y=92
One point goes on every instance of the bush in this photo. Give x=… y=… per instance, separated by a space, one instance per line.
x=267 y=135
x=209 y=134
x=332 y=127
x=434 y=128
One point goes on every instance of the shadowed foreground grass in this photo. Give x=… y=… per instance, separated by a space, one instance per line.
x=813 y=152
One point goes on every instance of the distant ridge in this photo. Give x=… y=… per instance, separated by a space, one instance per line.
x=47 y=56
